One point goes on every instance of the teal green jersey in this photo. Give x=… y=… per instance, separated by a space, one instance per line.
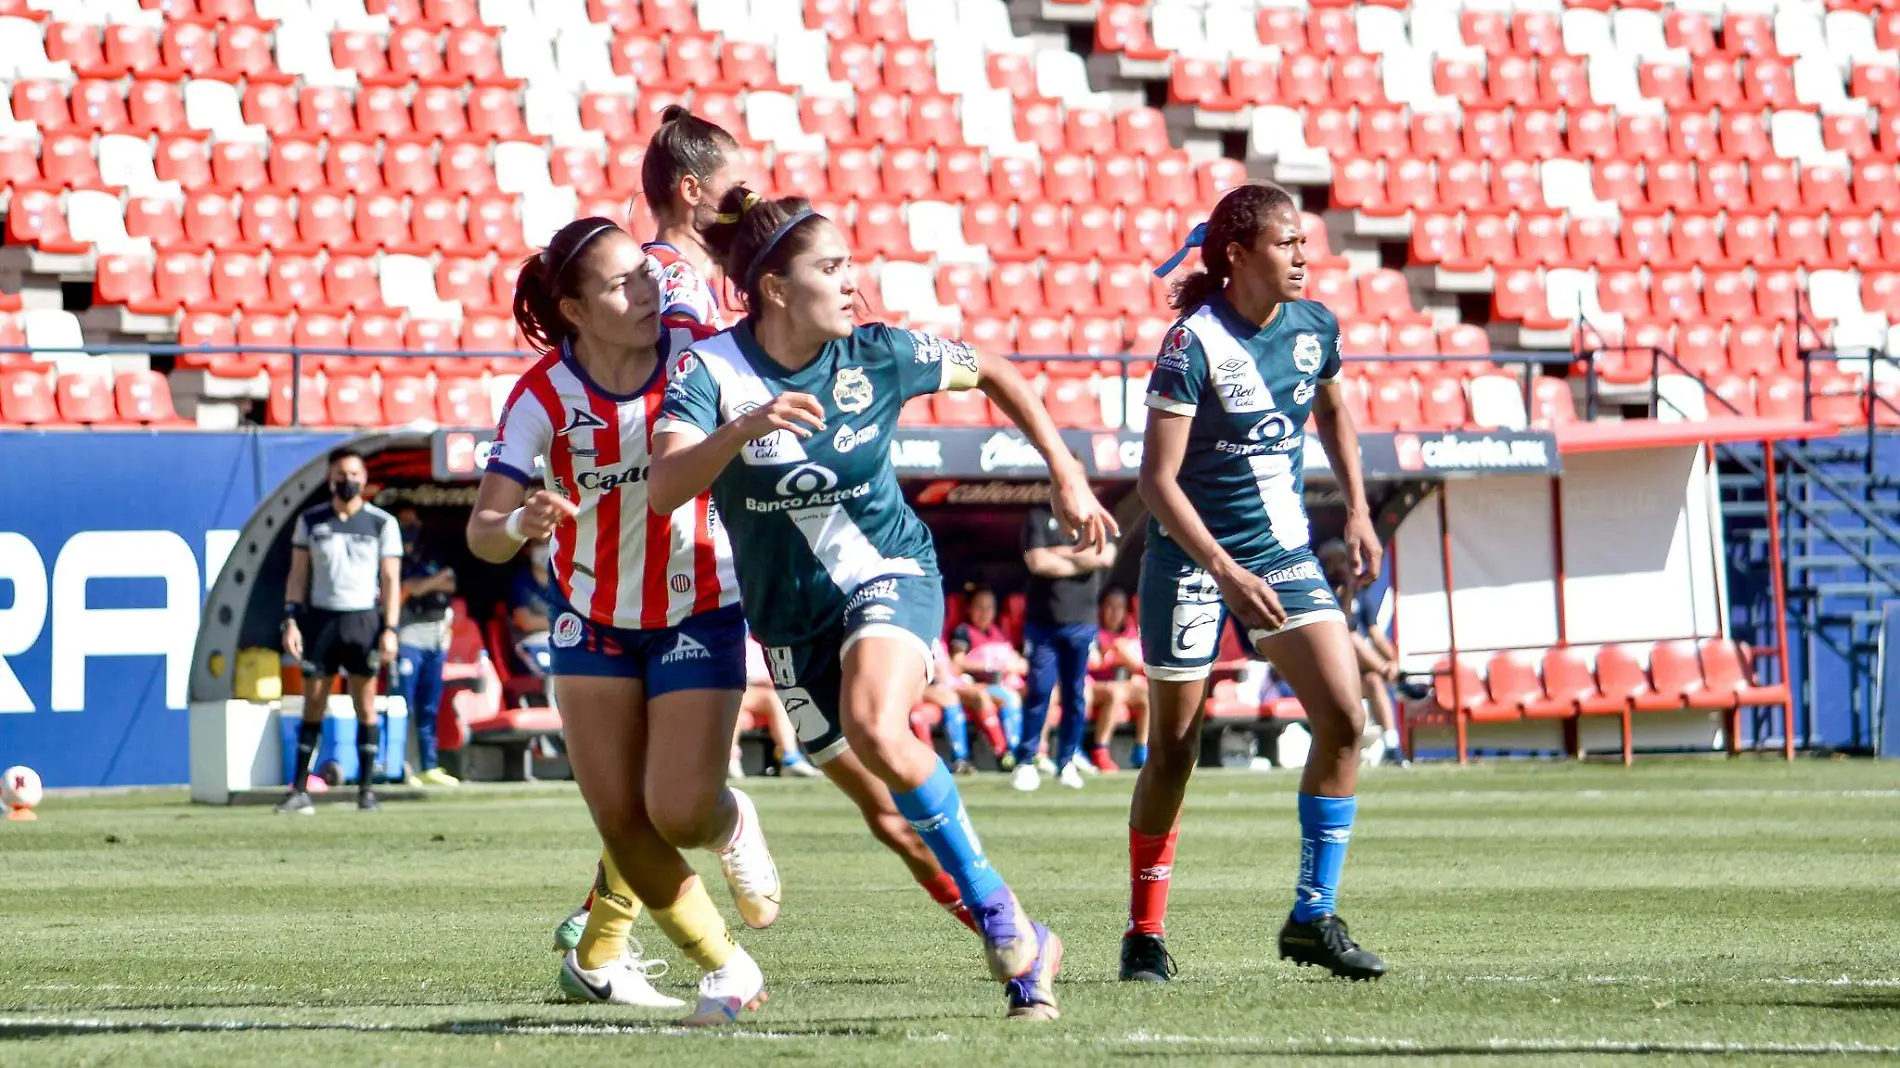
x=812 y=520
x=1248 y=390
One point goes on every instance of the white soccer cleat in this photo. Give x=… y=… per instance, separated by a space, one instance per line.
x=626 y=980
x=1025 y=778
x=1010 y=942
x=738 y=986
x=750 y=871
x=1071 y=776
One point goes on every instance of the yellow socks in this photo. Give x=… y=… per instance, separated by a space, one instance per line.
x=694 y=925
x=610 y=920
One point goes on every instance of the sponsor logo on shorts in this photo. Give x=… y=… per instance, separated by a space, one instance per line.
x=687 y=648
x=1305 y=569
x=1196 y=627
x=880 y=590
x=1306 y=354
x=567 y=631
x=878 y=613
x=847 y=439
x=806 y=717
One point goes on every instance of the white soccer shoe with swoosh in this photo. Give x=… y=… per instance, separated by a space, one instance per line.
x=626 y=980
x=734 y=987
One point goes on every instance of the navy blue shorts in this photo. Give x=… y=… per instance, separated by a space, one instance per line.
x=705 y=652
x=810 y=675
x=1182 y=614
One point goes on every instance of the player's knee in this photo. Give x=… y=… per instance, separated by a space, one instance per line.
x=684 y=817
x=1173 y=758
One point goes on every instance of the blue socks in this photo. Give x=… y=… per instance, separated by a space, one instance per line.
x=935 y=809
x=957 y=730
x=1137 y=756
x=1009 y=710
x=1325 y=830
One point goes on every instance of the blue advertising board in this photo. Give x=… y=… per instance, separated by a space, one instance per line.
x=109 y=541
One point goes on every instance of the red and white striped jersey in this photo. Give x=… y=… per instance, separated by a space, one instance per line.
x=683 y=292
x=617 y=562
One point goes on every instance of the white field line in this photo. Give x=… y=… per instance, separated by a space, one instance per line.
x=1319 y=1046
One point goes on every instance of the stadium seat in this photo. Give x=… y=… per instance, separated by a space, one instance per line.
x=85 y=399
x=26 y=398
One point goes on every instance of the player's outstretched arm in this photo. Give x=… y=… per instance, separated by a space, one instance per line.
x=1081 y=515
x=1340 y=438
x=1163 y=446
x=506 y=515
x=686 y=459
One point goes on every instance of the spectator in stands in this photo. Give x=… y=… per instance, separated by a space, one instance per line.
x=422 y=640
x=1378 y=659
x=345 y=570
x=1116 y=684
x=528 y=612
x=991 y=671
x=1059 y=628
x=944 y=692
x=761 y=704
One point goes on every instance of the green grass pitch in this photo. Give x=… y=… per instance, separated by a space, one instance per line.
x=1685 y=911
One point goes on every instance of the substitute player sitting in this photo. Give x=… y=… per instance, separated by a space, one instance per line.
x=789 y=417
x=1221 y=474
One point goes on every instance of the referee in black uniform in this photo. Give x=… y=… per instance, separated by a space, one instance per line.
x=340 y=607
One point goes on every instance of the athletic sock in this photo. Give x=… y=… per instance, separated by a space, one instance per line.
x=1137 y=755
x=1391 y=739
x=956 y=730
x=935 y=809
x=943 y=890
x=365 y=756
x=1325 y=830
x=308 y=735
x=993 y=733
x=609 y=920
x=1009 y=709
x=1150 y=870
x=694 y=925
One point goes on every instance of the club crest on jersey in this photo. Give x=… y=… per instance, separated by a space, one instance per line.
x=1174 y=347
x=851 y=390
x=579 y=419
x=1306 y=354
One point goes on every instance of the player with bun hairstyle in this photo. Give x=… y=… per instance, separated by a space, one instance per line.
x=648 y=639
x=788 y=419
x=690 y=164
x=1221 y=473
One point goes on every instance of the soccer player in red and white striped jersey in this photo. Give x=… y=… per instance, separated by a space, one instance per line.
x=648 y=640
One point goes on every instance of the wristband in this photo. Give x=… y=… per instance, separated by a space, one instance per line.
x=291 y=608
x=513 y=526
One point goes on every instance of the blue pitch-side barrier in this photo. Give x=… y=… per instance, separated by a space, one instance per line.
x=107 y=544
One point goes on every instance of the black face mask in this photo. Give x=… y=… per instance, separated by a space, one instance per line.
x=346 y=490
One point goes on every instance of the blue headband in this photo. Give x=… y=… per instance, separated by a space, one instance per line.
x=758 y=260
x=1194 y=239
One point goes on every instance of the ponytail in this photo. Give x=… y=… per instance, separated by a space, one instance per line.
x=752 y=237
x=1238 y=218
x=548 y=277
x=685 y=144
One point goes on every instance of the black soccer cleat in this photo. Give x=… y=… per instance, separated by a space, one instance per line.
x=1145 y=959
x=366 y=802
x=297 y=803
x=1324 y=942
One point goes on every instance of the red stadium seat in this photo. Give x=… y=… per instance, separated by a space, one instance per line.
x=84 y=399
x=145 y=397
x=99 y=107
x=405 y=400
x=26 y=398
x=351 y=401
x=461 y=401
x=295 y=282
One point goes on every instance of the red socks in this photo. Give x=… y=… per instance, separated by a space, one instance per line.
x=1150 y=866
x=943 y=890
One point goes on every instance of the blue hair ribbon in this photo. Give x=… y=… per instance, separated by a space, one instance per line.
x=1194 y=239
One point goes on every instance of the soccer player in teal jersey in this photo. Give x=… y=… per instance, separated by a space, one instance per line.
x=1221 y=474
x=788 y=418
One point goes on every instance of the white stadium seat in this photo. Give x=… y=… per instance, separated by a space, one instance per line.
x=554 y=113
x=772 y=118
x=213 y=105
x=1498 y=401
x=408 y=282
x=23 y=53
x=99 y=220
x=521 y=167
x=546 y=212
x=126 y=161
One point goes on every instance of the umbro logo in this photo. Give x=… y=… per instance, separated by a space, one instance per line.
x=581 y=419
x=1159 y=873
